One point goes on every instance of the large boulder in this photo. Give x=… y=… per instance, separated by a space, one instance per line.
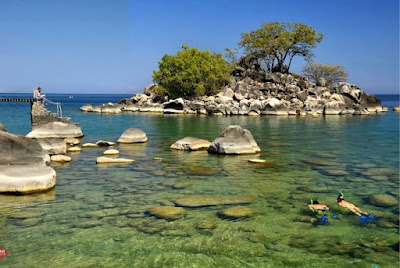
x=2 y=128
x=19 y=150
x=26 y=179
x=133 y=135
x=56 y=130
x=190 y=144
x=370 y=102
x=234 y=140
x=53 y=146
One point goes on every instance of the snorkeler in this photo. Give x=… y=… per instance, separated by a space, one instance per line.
x=315 y=206
x=353 y=208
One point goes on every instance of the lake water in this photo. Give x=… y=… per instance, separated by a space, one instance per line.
x=94 y=217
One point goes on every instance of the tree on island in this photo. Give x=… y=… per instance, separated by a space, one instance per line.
x=333 y=74
x=276 y=43
x=190 y=73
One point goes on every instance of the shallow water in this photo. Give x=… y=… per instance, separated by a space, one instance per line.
x=95 y=215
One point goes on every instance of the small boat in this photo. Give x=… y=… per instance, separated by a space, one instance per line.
x=71 y=97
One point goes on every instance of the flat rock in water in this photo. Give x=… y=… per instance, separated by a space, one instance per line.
x=53 y=146
x=167 y=212
x=111 y=152
x=204 y=201
x=102 y=143
x=234 y=140
x=191 y=144
x=236 y=212
x=105 y=160
x=56 y=130
x=26 y=179
x=320 y=162
x=60 y=158
x=133 y=135
x=257 y=161
x=87 y=145
x=383 y=200
x=74 y=149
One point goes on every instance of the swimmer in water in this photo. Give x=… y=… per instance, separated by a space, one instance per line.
x=364 y=216
x=315 y=206
x=347 y=205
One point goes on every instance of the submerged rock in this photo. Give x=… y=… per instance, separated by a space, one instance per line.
x=167 y=212
x=204 y=201
x=60 y=158
x=236 y=212
x=26 y=179
x=53 y=146
x=383 y=200
x=133 y=135
x=19 y=150
x=190 y=144
x=105 y=160
x=56 y=130
x=234 y=140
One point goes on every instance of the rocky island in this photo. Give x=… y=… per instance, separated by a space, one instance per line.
x=276 y=94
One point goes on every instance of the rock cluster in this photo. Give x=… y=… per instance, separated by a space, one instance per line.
x=257 y=94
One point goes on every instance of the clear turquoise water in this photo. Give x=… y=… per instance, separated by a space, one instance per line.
x=94 y=216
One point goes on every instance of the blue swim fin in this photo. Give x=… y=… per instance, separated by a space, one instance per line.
x=364 y=219
x=324 y=219
x=373 y=218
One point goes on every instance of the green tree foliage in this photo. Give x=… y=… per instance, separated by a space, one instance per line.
x=231 y=55
x=276 y=43
x=191 y=73
x=333 y=74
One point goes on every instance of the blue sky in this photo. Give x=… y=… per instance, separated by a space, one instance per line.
x=102 y=46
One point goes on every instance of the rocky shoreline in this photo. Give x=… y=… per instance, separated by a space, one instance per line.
x=277 y=94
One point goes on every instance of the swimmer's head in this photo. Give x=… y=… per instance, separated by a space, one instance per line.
x=340 y=198
x=315 y=202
